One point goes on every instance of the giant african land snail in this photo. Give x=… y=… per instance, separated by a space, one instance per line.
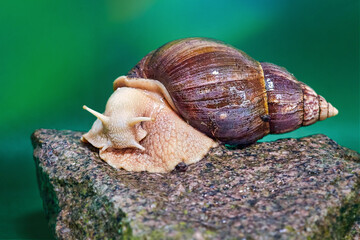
x=217 y=89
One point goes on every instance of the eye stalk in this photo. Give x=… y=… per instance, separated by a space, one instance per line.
x=104 y=119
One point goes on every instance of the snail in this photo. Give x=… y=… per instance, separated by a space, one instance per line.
x=191 y=94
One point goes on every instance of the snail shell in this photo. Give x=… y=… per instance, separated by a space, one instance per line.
x=226 y=94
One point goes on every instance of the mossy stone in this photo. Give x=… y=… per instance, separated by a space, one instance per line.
x=304 y=188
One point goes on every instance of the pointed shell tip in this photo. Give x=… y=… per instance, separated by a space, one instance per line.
x=332 y=110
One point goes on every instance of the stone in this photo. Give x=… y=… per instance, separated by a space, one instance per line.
x=287 y=189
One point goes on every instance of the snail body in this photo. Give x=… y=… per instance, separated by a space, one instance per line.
x=224 y=93
x=132 y=116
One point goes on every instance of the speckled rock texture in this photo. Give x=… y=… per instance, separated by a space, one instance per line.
x=354 y=233
x=304 y=188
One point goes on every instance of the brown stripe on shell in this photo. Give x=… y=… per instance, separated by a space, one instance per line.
x=285 y=99
x=311 y=105
x=324 y=108
x=218 y=89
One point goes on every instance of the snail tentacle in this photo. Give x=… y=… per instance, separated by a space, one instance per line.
x=104 y=119
x=133 y=121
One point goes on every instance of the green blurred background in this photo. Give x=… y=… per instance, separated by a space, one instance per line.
x=56 y=56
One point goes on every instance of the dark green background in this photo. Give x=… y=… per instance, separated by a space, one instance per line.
x=56 y=56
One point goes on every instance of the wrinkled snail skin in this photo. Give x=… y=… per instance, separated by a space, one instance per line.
x=229 y=96
x=184 y=97
x=139 y=131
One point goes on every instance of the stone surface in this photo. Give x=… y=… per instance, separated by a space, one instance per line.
x=288 y=189
x=354 y=233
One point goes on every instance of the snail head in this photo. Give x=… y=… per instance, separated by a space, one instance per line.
x=117 y=128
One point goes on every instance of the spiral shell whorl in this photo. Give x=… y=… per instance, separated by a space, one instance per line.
x=292 y=103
